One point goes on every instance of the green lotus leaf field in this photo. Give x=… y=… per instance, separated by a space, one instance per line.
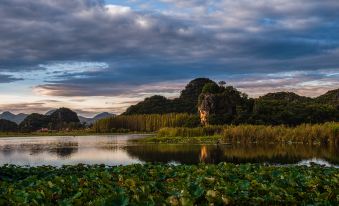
x=156 y=184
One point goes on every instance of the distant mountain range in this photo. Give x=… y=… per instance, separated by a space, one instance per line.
x=95 y=118
x=18 y=118
x=89 y=120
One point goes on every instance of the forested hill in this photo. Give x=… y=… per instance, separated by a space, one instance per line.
x=223 y=104
x=59 y=119
x=286 y=96
x=331 y=97
x=185 y=103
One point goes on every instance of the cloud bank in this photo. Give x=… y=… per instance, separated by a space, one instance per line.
x=136 y=48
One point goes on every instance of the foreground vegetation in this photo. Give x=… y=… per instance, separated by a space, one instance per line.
x=327 y=133
x=222 y=184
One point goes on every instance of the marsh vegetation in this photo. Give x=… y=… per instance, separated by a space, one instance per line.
x=327 y=133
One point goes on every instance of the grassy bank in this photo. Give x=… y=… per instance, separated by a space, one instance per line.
x=327 y=133
x=172 y=185
x=179 y=140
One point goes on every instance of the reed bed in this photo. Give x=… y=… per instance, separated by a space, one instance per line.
x=190 y=132
x=145 y=123
x=327 y=133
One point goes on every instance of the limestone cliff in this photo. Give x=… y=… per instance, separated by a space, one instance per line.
x=216 y=105
x=206 y=107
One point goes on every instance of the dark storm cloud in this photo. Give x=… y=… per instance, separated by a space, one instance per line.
x=8 y=78
x=108 y=89
x=38 y=31
x=143 y=48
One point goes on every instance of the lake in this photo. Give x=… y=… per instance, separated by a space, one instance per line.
x=117 y=150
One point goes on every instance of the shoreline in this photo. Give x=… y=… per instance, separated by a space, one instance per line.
x=60 y=134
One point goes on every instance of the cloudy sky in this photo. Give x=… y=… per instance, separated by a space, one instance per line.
x=95 y=55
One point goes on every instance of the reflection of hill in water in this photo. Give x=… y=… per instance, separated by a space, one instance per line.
x=191 y=154
x=284 y=154
x=61 y=149
x=165 y=153
x=65 y=150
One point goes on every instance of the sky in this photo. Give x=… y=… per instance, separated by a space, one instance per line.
x=94 y=55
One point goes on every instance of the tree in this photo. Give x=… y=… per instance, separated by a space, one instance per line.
x=211 y=88
x=222 y=83
x=193 y=89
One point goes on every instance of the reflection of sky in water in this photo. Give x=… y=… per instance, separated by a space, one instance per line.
x=116 y=150
x=309 y=162
x=66 y=150
x=86 y=156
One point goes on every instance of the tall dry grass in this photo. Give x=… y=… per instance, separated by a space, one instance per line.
x=144 y=123
x=327 y=133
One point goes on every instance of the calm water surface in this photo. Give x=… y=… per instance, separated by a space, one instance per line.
x=117 y=150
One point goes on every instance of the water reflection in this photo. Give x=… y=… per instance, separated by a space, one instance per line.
x=58 y=151
x=272 y=154
x=65 y=150
x=317 y=161
x=117 y=150
x=213 y=155
x=203 y=154
x=62 y=149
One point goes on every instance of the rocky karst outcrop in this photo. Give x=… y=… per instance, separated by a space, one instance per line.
x=217 y=106
x=206 y=107
x=185 y=103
